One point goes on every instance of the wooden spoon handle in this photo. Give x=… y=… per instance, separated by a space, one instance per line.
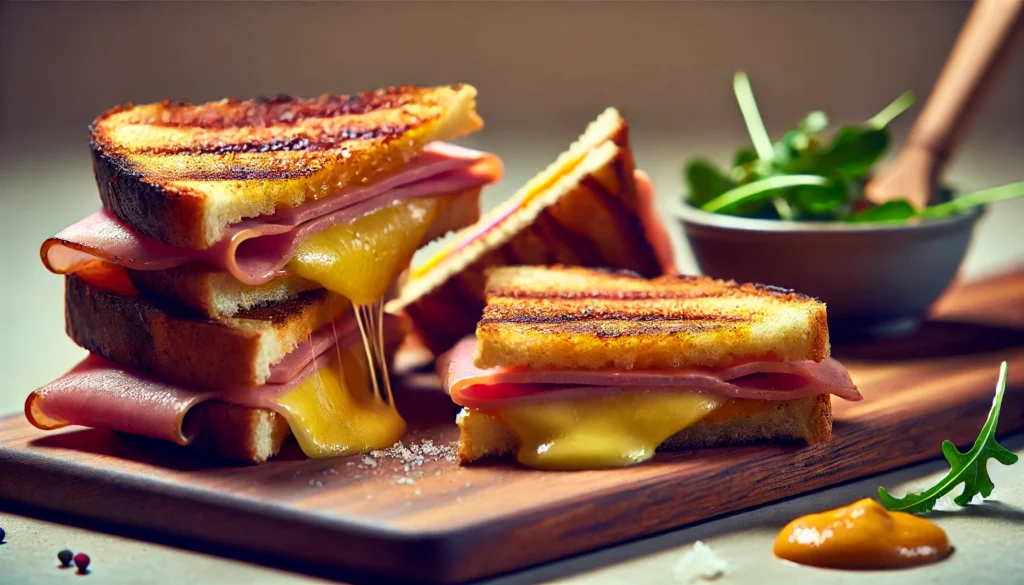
x=977 y=58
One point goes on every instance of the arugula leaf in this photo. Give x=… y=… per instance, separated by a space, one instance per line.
x=817 y=201
x=705 y=182
x=970 y=200
x=899 y=210
x=968 y=468
x=759 y=190
x=743 y=157
x=852 y=153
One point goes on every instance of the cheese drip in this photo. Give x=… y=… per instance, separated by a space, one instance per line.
x=603 y=431
x=334 y=412
x=360 y=259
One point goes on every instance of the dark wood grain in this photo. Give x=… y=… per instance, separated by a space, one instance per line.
x=442 y=523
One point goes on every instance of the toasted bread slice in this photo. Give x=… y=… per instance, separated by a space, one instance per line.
x=216 y=293
x=570 y=317
x=581 y=210
x=181 y=173
x=175 y=344
x=483 y=434
x=237 y=433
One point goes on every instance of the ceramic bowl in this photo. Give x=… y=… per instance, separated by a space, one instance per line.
x=876 y=280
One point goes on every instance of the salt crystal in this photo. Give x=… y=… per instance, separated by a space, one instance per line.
x=700 y=563
x=369 y=461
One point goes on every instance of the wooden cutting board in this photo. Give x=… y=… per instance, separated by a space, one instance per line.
x=423 y=518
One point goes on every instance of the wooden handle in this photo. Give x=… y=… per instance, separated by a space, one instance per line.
x=977 y=58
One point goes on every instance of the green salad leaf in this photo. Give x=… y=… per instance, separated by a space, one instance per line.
x=968 y=468
x=890 y=211
x=773 y=180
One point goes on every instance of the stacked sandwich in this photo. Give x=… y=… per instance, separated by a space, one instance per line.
x=591 y=207
x=576 y=368
x=230 y=291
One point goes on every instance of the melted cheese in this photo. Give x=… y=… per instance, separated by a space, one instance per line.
x=336 y=412
x=330 y=414
x=603 y=431
x=359 y=260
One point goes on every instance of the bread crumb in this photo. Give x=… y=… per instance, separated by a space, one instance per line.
x=700 y=563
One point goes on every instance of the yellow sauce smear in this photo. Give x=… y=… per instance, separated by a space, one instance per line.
x=334 y=412
x=863 y=535
x=357 y=260
x=603 y=431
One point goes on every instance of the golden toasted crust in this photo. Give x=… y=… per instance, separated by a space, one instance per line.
x=559 y=317
x=180 y=172
x=483 y=434
x=237 y=433
x=176 y=345
x=581 y=210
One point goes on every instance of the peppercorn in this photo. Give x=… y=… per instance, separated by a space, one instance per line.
x=65 y=557
x=3 y=534
x=82 y=562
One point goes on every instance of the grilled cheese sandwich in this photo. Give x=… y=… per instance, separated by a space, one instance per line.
x=219 y=210
x=575 y=368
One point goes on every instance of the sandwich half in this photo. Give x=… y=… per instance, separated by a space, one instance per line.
x=575 y=368
x=241 y=260
x=590 y=207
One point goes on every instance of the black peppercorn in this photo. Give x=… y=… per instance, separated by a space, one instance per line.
x=65 y=557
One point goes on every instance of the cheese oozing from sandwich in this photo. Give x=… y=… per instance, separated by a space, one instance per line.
x=582 y=419
x=335 y=411
x=354 y=243
x=328 y=404
x=601 y=431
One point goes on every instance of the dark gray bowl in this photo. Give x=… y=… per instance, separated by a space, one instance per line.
x=876 y=280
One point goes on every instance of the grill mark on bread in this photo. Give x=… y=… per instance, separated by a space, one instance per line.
x=577 y=246
x=604 y=295
x=630 y=229
x=279 y=110
x=591 y=315
x=312 y=141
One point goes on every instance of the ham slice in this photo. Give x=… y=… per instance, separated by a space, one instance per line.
x=256 y=250
x=101 y=394
x=474 y=387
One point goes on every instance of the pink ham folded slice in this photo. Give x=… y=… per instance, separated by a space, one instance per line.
x=101 y=394
x=474 y=387
x=255 y=250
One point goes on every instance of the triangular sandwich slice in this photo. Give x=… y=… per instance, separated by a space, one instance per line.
x=590 y=207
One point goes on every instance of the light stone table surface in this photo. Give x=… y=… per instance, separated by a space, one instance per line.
x=41 y=194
